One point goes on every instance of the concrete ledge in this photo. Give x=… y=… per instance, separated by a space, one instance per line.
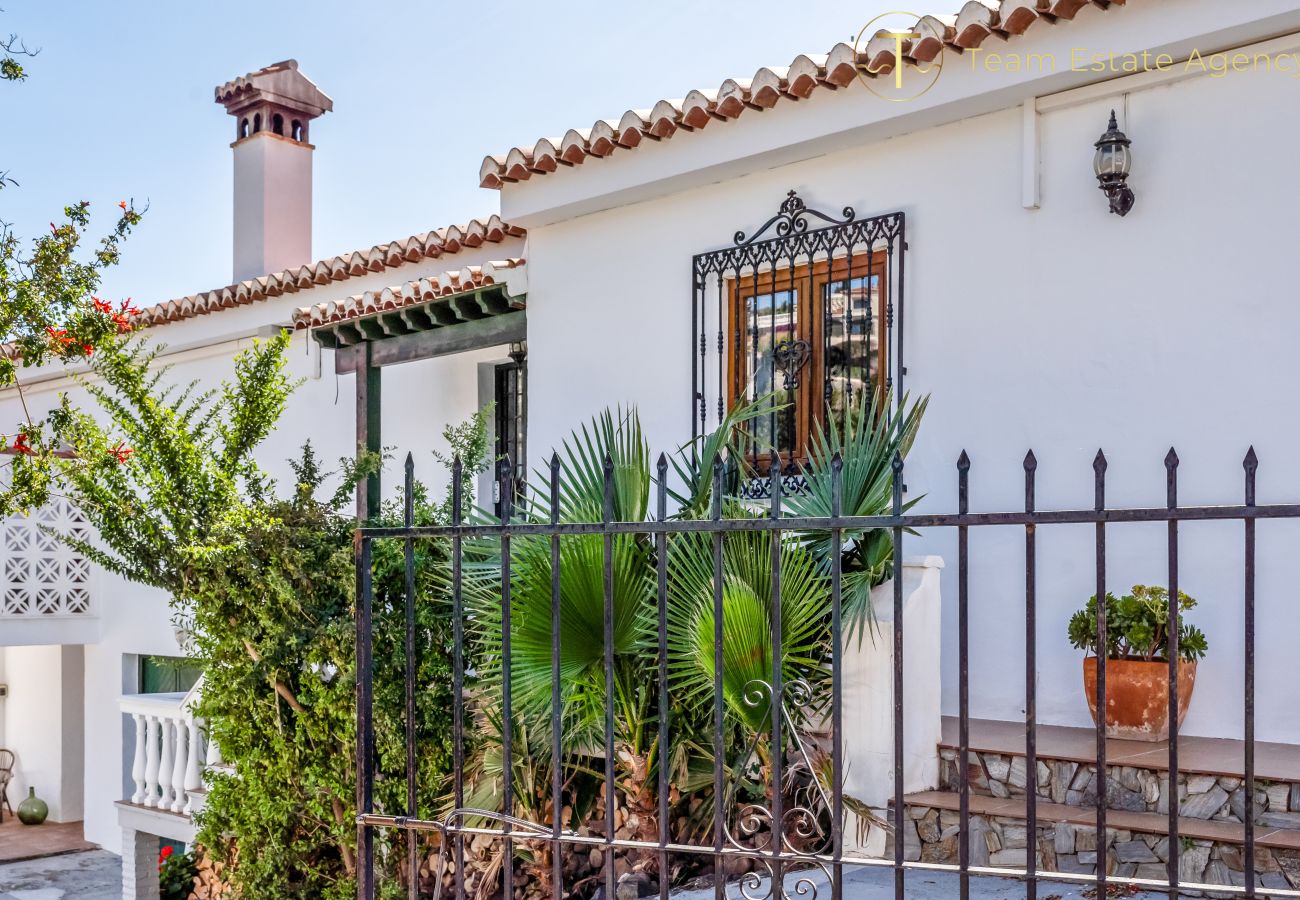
x=173 y=826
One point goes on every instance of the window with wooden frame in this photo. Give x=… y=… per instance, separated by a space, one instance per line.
x=812 y=316
x=814 y=336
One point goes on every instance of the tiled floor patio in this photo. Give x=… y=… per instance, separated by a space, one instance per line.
x=19 y=841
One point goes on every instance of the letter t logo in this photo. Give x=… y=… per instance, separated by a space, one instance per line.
x=899 y=37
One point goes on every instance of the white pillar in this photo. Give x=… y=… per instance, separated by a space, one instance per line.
x=193 y=771
x=138 y=763
x=166 y=763
x=139 y=865
x=151 y=762
x=178 y=767
x=868 y=699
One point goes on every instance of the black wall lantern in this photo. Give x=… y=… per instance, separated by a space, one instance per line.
x=1112 y=164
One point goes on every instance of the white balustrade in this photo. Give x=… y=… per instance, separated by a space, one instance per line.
x=171 y=751
x=138 y=766
x=193 y=773
x=151 y=761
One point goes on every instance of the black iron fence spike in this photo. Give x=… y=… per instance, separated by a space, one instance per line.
x=1171 y=458
x=410 y=462
x=1031 y=461
x=963 y=462
x=662 y=464
x=1099 y=461
x=1251 y=462
x=897 y=464
x=555 y=463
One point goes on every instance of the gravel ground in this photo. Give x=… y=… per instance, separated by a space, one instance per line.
x=91 y=875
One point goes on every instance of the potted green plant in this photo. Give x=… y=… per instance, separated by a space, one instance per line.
x=1137 y=660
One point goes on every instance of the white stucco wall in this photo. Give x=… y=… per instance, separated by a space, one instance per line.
x=272 y=200
x=1062 y=329
x=43 y=726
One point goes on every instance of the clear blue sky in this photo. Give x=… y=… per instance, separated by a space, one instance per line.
x=119 y=104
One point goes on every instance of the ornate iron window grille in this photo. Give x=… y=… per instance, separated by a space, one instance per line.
x=825 y=304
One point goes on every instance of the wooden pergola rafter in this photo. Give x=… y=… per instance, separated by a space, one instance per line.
x=364 y=344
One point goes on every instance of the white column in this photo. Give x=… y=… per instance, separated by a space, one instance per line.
x=178 y=768
x=193 y=771
x=138 y=763
x=151 y=762
x=166 y=764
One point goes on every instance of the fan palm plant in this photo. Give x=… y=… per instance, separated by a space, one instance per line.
x=748 y=601
x=866 y=444
x=603 y=473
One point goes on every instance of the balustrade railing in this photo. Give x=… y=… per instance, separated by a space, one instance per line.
x=171 y=752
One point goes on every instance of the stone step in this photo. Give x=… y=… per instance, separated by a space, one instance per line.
x=1210 y=772
x=1066 y=841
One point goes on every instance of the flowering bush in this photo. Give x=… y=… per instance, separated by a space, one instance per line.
x=49 y=311
x=176 y=873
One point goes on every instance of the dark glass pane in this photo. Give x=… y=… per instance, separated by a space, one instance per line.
x=852 y=322
x=770 y=320
x=167 y=674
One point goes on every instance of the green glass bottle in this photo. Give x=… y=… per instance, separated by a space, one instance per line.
x=33 y=810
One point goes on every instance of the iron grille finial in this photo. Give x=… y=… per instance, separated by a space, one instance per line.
x=792 y=218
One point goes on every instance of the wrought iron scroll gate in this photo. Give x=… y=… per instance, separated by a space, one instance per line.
x=804 y=851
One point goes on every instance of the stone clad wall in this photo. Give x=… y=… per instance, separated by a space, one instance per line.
x=1277 y=804
x=932 y=836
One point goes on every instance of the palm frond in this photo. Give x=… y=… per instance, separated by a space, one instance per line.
x=866 y=444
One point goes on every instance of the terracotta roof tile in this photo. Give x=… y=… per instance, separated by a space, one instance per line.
x=429 y=245
x=805 y=74
x=422 y=290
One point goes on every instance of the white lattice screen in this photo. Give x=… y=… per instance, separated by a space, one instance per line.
x=42 y=576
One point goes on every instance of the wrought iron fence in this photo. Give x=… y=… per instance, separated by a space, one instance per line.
x=786 y=816
x=810 y=316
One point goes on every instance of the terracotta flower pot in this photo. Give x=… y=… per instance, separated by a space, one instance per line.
x=1137 y=696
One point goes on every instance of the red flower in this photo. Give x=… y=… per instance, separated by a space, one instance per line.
x=21 y=445
x=122 y=203
x=122 y=318
x=87 y=349
x=120 y=452
x=103 y=305
x=59 y=337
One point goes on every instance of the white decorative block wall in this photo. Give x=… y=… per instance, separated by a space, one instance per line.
x=41 y=575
